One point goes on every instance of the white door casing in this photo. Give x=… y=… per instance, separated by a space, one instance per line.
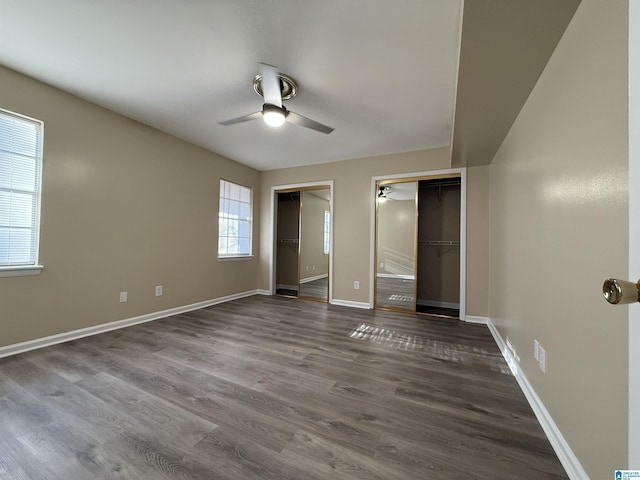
x=463 y=229
x=272 y=232
x=634 y=231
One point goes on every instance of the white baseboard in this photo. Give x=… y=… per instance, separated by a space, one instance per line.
x=262 y=292
x=395 y=275
x=349 y=303
x=106 y=327
x=474 y=319
x=311 y=279
x=566 y=456
x=432 y=303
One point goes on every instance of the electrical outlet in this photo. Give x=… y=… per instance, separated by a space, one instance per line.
x=123 y=297
x=158 y=290
x=356 y=285
x=536 y=348
x=542 y=359
x=381 y=264
x=313 y=268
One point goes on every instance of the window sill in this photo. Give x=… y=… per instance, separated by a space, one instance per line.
x=239 y=257
x=20 y=271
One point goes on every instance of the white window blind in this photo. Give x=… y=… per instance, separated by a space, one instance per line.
x=234 y=220
x=20 y=170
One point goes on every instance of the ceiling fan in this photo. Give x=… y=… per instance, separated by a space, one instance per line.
x=276 y=87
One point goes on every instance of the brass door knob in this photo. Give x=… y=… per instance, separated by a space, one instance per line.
x=619 y=292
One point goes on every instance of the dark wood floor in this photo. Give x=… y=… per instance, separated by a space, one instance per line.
x=318 y=289
x=275 y=388
x=395 y=292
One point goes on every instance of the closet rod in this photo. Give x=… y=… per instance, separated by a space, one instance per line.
x=440 y=243
x=441 y=184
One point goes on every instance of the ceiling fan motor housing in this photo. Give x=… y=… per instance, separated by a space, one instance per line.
x=288 y=86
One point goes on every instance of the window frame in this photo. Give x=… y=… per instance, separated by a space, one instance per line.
x=33 y=267
x=235 y=256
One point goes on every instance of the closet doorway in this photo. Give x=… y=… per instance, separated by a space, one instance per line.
x=302 y=250
x=418 y=254
x=438 y=269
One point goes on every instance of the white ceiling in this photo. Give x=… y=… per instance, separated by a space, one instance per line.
x=382 y=73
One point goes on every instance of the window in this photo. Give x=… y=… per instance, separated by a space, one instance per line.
x=327 y=230
x=234 y=220
x=20 y=175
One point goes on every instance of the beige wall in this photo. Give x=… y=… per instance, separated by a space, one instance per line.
x=124 y=208
x=559 y=228
x=352 y=211
x=478 y=240
x=352 y=217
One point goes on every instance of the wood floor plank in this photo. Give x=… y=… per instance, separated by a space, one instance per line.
x=191 y=390
x=15 y=462
x=68 y=450
x=322 y=457
x=271 y=388
x=166 y=420
x=245 y=459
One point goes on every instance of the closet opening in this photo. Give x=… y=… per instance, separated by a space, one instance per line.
x=302 y=249
x=288 y=243
x=438 y=262
x=417 y=253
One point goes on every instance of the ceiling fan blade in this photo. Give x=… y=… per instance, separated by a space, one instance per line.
x=271 y=85
x=307 y=122
x=244 y=118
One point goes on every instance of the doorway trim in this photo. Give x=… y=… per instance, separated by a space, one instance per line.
x=463 y=229
x=634 y=233
x=272 y=230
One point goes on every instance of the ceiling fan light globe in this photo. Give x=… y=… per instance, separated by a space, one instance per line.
x=273 y=118
x=273 y=115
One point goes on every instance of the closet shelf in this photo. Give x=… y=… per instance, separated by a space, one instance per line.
x=289 y=240
x=440 y=243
